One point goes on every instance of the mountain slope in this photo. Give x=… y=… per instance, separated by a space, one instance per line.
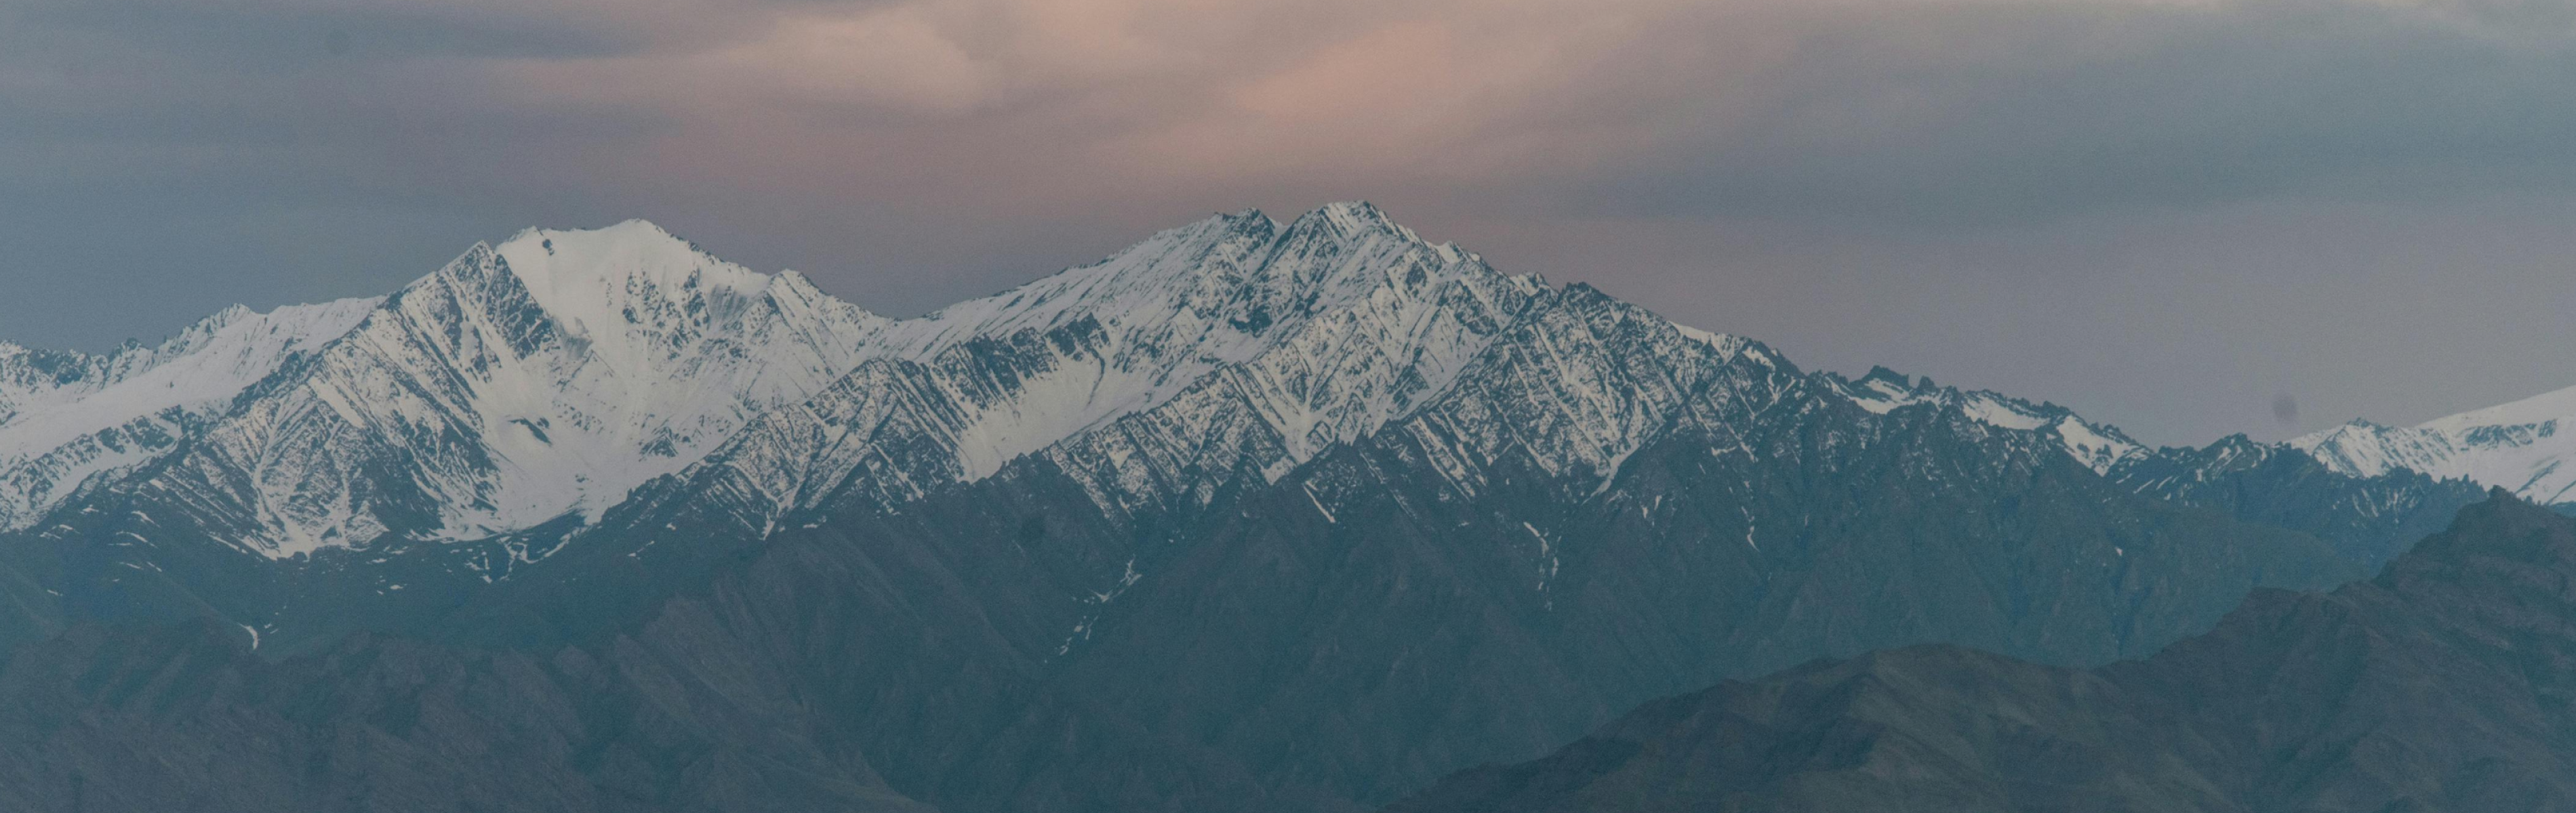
x=1283 y=658
x=1600 y=509
x=187 y=718
x=69 y=419
x=1453 y=590
x=2516 y=446
x=2443 y=684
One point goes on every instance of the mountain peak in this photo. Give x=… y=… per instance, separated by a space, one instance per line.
x=1351 y=216
x=230 y=314
x=1243 y=270
x=1353 y=219
x=630 y=229
x=559 y=264
x=629 y=287
x=1882 y=373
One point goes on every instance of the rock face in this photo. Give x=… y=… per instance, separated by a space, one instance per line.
x=2441 y=685
x=1251 y=516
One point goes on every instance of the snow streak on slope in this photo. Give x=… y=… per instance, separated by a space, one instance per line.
x=67 y=418
x=2517 y=446
x=1411 y=318
x=1586 y=382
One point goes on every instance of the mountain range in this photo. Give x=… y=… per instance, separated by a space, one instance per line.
x=1251 y=516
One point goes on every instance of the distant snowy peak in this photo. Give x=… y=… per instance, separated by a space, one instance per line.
x=1303 y=335
x=66 y=418
x=2517 y=446
x=2100 y=447
x=653 y=309
x=571 y=271
x=2365 y=449
x=1320 y=295
x=632 y=294
x=1218 y=284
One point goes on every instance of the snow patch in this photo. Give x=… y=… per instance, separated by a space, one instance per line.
x=1319 y=504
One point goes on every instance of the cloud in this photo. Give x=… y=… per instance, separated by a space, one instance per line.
x=1895 y=111
x=1899 y=111
x=913 y=152
x=1948 y=115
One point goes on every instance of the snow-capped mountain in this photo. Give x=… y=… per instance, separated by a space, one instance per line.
x=541 y=378
x=1234 y=342
x=2517 y=446
x=1315 y=331
x=1240 y=346
x=69 y=418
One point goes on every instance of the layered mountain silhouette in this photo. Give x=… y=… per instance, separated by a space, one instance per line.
x=1250 y=516
x=2441 y=685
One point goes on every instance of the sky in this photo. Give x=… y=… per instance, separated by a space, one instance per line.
x=2188 y=218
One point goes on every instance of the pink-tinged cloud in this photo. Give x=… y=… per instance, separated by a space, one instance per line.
x=1858 y=181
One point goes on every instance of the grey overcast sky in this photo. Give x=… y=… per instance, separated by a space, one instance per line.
x=2186 y=217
